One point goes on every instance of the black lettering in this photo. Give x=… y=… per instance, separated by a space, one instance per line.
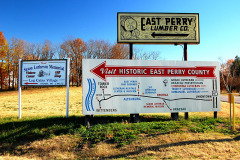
x=167 y=20
x=190 y=21
x=161 y=28
x=175 y=28
x=184 y=21
x=172 y=21
x=158 y=19
x=142 y=25
x=148 y=21
x=153 y=21
x=178 y=21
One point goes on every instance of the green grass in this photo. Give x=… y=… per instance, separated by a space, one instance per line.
x=111 y=129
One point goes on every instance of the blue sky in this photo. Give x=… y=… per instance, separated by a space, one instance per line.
x=55 y=20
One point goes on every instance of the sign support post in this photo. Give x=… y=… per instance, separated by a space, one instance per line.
x=233 y=111
x=185 y=59
x=230 y=108
x=231 y=99
x=134 y=118
x=19 y=88
x=67 y=96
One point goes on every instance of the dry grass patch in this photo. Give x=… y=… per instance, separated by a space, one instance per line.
x=177 y=146
x=52 y=102
x=168 y=146
x=67 y=144
x=41 y=102
x=60 y=147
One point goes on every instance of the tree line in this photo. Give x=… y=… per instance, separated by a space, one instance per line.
x=74 y=48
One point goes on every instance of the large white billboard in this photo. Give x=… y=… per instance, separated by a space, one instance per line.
x=44 y=73
x=144 y=86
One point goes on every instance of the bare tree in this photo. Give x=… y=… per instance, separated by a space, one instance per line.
x=225 y=73
x=75 y=48
x=143 y=55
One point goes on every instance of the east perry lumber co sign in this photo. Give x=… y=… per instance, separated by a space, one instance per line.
x=165 y=28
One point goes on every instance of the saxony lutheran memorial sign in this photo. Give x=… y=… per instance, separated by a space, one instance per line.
x=44 y=73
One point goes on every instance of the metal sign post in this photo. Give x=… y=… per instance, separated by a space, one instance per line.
x=185 y=59
x=231 y=99
x=233 y=112
x=19 y=89
x=67 y=96
x=134 y=118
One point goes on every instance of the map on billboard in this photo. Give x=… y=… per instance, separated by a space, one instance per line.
x=44 y=73
x=143 y=86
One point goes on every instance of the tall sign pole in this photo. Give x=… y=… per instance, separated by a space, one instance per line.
x=175 y=116
x=67 y=96
x=134 y=118
x=130 y=51
x=19 y=89
x=185 y=59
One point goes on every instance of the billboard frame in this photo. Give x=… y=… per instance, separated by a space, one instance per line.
x=197 y=41
x=65 y=60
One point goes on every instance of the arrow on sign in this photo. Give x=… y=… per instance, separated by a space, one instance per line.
x=103 y=71
x=168 y=34
x=30 y=83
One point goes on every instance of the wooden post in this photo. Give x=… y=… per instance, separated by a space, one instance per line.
x=87 y=121
x=215 y=114
x=134 y=118
x=175 y=116
x=130 y=51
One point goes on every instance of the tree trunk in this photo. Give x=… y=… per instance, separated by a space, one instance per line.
x=72 y=79
x=13 y=83
x=77 y=73
x=9 y=78
x=1 y=76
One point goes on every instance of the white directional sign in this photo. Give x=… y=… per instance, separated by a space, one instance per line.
x=173 y=28
x=44 y=73
x=137 y=86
